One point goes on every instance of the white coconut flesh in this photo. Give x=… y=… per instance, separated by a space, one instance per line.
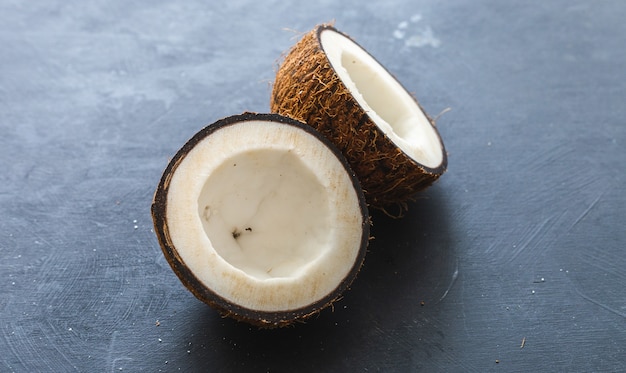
x=265 y=215
x=386 y=102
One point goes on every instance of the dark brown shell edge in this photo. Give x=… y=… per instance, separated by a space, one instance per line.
x=261 y=319
x=307 y=88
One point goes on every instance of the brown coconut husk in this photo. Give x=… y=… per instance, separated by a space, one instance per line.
x=308 y=89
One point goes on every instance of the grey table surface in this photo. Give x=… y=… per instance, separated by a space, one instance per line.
x=514 y=261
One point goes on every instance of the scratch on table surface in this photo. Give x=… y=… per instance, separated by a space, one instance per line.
x=532 y=236
x=588 y=209
x=112 y=361
x=552 y=155
x=605 y=261
x=598 y=303
x=492 y=247
x=25 y=351
x=455 y=275
x=50 y=338
x=14 y=337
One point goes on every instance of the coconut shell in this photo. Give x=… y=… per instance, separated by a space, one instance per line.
x=263 y=319
x=308 y=89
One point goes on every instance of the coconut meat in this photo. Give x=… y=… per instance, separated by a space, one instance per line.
x=252 y=212
x=265 y=213
x=386 y=102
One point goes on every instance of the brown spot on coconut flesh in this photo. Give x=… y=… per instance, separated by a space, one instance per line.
x=237 y=233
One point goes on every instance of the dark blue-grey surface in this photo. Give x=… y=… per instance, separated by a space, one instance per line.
x=517 y=253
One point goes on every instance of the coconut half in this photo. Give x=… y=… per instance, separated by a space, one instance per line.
x=331 y=83
x=262 y=218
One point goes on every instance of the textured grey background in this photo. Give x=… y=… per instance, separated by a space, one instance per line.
x=522 y=240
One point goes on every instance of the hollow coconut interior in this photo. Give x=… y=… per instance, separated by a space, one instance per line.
x=384 y=99
x=265 y=216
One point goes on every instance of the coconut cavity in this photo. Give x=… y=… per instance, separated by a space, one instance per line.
x=332 y=84
x=387 y=103
x=262 y=218
x=266 y=213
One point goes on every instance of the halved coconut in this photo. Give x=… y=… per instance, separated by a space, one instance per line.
x=262 y=218
x=331 y=83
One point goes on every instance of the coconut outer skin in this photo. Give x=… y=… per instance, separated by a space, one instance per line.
x=262 y=319
x=308 y=89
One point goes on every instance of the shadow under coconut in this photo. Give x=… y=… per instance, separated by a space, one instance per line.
x=411 y=259
x=410 y=266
